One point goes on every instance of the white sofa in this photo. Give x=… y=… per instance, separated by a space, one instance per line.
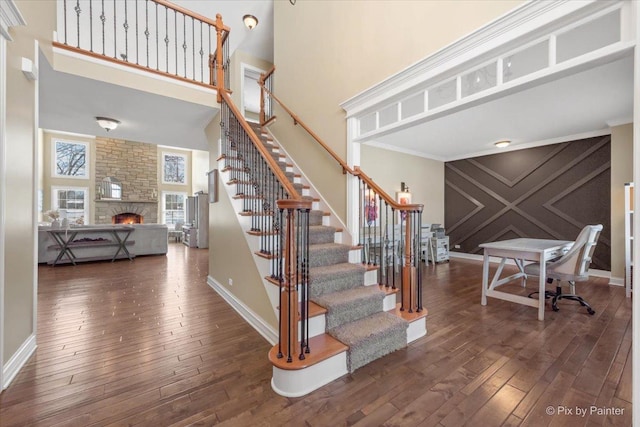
x=147 y=239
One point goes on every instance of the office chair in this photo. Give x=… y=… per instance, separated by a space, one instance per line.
x=571 y=267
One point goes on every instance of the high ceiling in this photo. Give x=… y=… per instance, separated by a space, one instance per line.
x=583 y=102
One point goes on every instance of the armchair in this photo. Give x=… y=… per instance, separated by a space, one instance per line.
x=571 y=267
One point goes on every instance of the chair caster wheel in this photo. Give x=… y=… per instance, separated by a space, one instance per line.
x=555 y=308
x=591 y=311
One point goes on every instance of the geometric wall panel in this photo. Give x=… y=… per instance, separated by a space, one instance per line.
x=548 y=192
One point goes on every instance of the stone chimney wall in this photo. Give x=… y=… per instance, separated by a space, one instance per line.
x=135 y=164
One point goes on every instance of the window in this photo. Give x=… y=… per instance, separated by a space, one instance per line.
x=174 y=168
x=70 y=159
x=73 y=201
x=173 y=207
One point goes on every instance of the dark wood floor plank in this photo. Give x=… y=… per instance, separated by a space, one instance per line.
x=149 y=343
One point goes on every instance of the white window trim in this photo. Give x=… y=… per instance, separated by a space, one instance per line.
x=186 y=169
x=54 y=168
x=163 y=202
x=87 y=206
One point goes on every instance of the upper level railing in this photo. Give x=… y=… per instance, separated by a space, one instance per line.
x=154 y=35
x=390 y=231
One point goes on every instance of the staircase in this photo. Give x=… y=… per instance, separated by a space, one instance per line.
x=353 y=320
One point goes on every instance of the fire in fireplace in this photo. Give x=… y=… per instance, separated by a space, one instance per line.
x=127 y=218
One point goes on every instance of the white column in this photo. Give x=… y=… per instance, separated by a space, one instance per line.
x=636 y=223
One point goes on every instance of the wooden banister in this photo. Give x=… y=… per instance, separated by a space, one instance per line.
x=356 y=171
x=193 y=15
x=286 y=184
x=297 y=121
x=395 y=205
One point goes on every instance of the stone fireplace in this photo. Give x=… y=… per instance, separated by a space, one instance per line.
x=108 y=210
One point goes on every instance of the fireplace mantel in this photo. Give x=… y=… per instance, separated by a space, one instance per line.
x=124 y=201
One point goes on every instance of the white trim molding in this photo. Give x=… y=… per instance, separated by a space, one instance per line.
x=247 y=314
x=10 y=16
x=529 y=18
x=18 y=360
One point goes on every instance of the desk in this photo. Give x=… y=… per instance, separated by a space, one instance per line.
x=520 y=250
x=66 y=240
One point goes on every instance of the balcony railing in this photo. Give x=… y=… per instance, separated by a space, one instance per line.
x=155 y=35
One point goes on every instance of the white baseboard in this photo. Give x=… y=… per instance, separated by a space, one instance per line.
x=18 y=360
x=258 y=323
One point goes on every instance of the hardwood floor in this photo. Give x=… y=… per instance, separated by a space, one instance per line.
x=149 y=343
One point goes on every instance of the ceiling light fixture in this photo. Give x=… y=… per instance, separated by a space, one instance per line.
x=107 y=123
x=250 y=21
x=502 y=144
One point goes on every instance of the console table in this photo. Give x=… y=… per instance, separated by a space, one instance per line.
x=67 y=241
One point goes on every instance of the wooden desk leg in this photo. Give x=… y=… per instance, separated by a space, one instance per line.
x=541 y=288
x=485 y=277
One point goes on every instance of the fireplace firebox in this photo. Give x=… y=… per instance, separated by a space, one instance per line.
x=127 y=218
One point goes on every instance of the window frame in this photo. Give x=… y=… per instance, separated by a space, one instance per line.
x=186 y=167
x=54 y=159
x=55 y=200
x=163 y=207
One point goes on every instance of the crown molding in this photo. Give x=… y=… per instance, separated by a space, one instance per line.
x=10 y=16
x=523 y=21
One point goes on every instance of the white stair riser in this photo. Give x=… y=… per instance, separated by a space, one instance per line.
x=303 y=381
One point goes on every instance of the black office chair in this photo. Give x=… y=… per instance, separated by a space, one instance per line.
x=571 y=267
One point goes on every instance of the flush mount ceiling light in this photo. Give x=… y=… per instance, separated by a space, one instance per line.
x=250 y=21
x=502 y=144
x=107 y=123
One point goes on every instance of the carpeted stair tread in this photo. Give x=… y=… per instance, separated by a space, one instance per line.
x=328 y=254
x=315 y=216
x=335 y=278
x=350 y=305
x=319 y=234
x=371 y=337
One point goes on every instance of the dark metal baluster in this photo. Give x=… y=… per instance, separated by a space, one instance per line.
x=193 y=48
x=394 y=247
x=91 y=26
x=103 y=18
x=201 y=57
x=184 y=42
x=306 y=279
x=64 y=5
x=386 y=244
x=146 y=27
x=299 y=248
x=419 y=285
x=137 y=34
x=78 y=10
x=115 y=34
x=126 y=33
x=166 y=37
x=158 y=42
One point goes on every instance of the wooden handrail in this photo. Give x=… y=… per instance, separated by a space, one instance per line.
x=191 y=14
x=385 y=196
x=296 y=120
x=356 y=171
x=273 y=165
x=265 y=76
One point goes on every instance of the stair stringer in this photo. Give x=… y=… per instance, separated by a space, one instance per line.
x=253 y=242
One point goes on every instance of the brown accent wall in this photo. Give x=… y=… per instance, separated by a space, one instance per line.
x=547 y=192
